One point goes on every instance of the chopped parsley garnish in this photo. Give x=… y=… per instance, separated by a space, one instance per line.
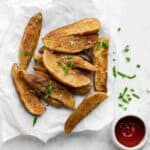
x=126 y=49
x=136 y=96
x=97 y=45
x=48 y=91
x=119 y=29
x=120 y=105
x=123 y=75
x=63 y=66
x=124 y=91
x=138 y=66
x=128 y=59
x=132 y=90
x=70 y=64
x=25 y=53
x=34 y=121
x=114 y=71
x=105 y=45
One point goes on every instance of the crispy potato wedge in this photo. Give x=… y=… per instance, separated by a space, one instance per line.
x=81 y=91
x=86 y=106
x=29 y=40
x=100 y=59
x=30 y=101
x=41 y=81
x=77 y=62
x=38 y=58
x=71 y=43
x=85 y=26
x=40 y=68
x=62 y=72
x=54 y=102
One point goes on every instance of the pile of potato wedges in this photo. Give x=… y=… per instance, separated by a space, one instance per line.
x=62 y=68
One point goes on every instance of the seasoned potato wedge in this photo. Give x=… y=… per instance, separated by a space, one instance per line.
x=38 y=58
x=62 y=72
x=100 y=59
x=54 y=102
x=81 y=91
x=40 y=68
x=86 y=106
x=81 y=27
x=70 y=44
x=29 y=40
x=29 y=99
x=77 y=62
x=43 y=83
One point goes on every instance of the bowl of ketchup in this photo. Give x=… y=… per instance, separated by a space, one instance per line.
x=129 y=132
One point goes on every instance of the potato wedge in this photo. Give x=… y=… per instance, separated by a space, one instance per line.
x=41 y=83
x=81 y=91
x=54 y=102
x=85 y=26
x=77 y=62
x=86 y=106
x=62 y=72
x=29 y=40
x=30 y=101
x=100 y=59
x=40 y=68
x=38 y=58
x=70 y=44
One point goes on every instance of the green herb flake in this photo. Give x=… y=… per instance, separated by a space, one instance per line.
x=97 y=45
x=126 y=49
x=123 y=75
x=25 y=53
x=132 y=90
x=118 y=29
x=48 y=91
x=114 y=71
x=70 y=64
x=124 y=91
x=138 y=66
x=125 y=108
x=105 y=45
x=120 y=96
x=120 y=105
x=129 y=99
x=34 y=121
x=128 y=59
x=136 y=96
x=125 y=100
x=63 y=66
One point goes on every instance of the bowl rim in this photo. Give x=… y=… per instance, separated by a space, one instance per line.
x=118 y=144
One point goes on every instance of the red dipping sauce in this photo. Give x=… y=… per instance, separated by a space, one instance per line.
x=130 y=131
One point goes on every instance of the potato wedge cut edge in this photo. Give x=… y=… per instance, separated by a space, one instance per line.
x=84 y=108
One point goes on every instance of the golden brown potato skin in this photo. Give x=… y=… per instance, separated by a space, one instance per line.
x=100 y=59
x=28 y=98
x=70 y=44
x=82 y=27
x=81 y=91
x=54 y=102
x=29 y=40
x=73 y=78
x=86 y=106
x=78 y=62
x=39 y=81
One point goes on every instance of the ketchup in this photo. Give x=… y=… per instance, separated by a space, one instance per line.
x=130 y=131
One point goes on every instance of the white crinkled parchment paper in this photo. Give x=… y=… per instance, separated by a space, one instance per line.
x=15 y=119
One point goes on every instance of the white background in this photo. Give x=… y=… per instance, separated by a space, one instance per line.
x=133 y=16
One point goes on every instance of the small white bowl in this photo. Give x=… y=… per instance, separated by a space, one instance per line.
x=123 y=147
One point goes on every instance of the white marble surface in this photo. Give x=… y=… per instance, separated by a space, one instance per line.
x=133 y=17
